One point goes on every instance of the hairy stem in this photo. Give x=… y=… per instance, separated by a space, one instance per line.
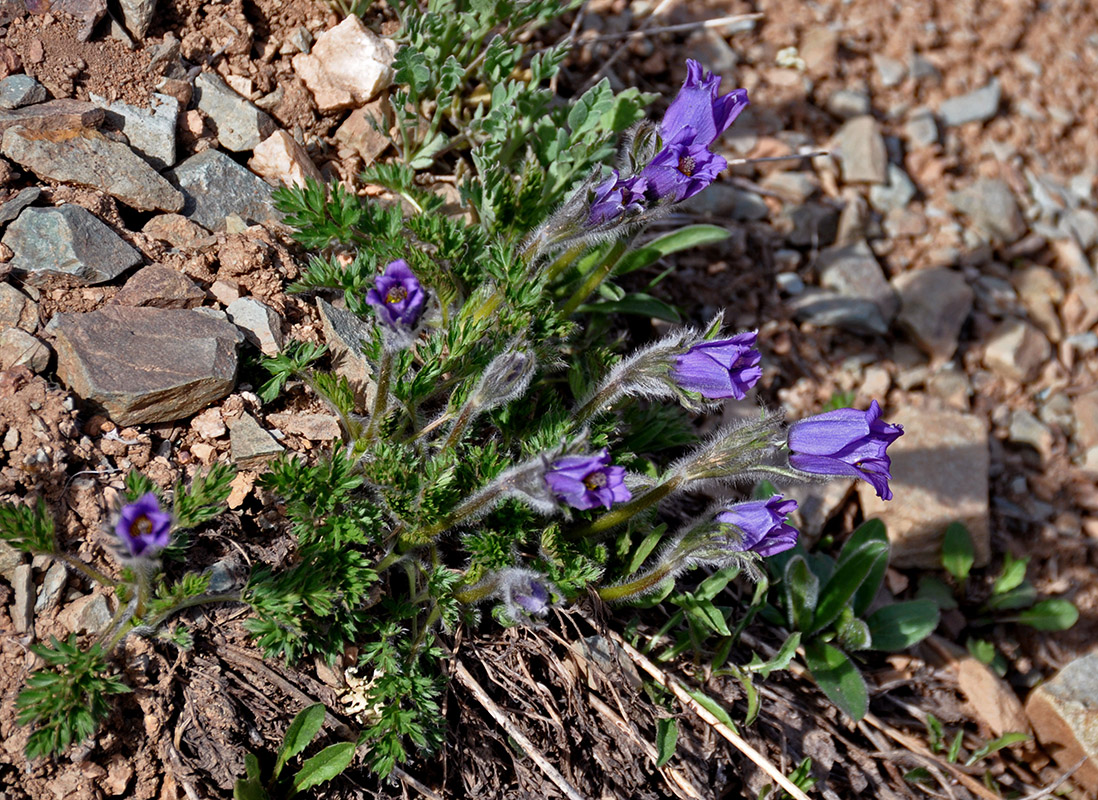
x=624 y=512
x=596 y=276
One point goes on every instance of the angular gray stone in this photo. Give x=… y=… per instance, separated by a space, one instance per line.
x=1026 y=429
x=345 y=335
x=315 y=427
x=146 y=365
x=17 y=91
x=920 y=68
x=889 y=70
x=214 y=186
x=88 y=614
x=17 y=310
x=240 y=124
x=894 y=195
x=261 y=324
x=19 y=349
x=976 y=106
x=991 y=207
x=811 y=225
x=934 y=304
x=150 y=131
x=849 y=103
x=939 y=475
x=830 y=309
x=137 y=15
x=90 y=159
x=249 y=444
x=722 y=200
x=14 y=207
x=796 y=186
x=1082 y=223
x=1064 y=716
x=10 y=558
x=862 y=151
x=67 y=242
x=64 y=114
x=56 y=577
x=853 y=272
x=921 y=128
x=22 y=610
x=1016 y=350
x=157 y=286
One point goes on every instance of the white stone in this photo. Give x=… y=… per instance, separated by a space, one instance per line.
x=280 y=159
x=261 y=324
x=209 y=424
x=347 y=66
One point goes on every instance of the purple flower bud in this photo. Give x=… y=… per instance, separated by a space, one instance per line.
x=584 y=482
x=720 y=368
x=762 y=524
x=615 y=197
x=682 y=168
x=534 y=600
x=143 y=528
x=397 y=296
x=697 y=107
x=527 y=595
x=845 y=442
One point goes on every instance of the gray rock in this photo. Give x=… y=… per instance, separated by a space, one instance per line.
x=150 y=131
x=934 y=304
x=921 y=69
x=991 y=207
x=1026 y=429
x=22 y=610
x=830 y=309
x=976 y=106
x=722 y=200
x=849 y=103
x=17 y=310
x=14 y=207
x=137 y=15
x=87 y=614
x=19 y=349
x=56 y=577
x=1064 y=716
x=345 y=335
x=65 y=114
x=68 y=242
x=1016 y=350
x=261 y=324
x=890 y=71
x=1082 y=223
x=712 y=49
x=816 y=504
x=853 y=272
x=249 y=444
x=896 y=194
x=811 y=225
x=90 y=159
x=314 y=427
x=795 y=186
x=10 y=558
x=17 y=91
x=214 y=186
x=939 y=475
x=146 y=365
x=789 y=282
x=921 y=128
x=240 y=124
x=862 y=151
x=157 y=286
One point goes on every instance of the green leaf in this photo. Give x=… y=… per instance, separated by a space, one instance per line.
x=324 y=766
x=982 y=650
x=667 y=736
x=958 y=552
x=1050 y=615
x=931 y=588
x=872 y=530
x=587 y=110
x=302 y=730
x=837 y=676
x=1014 y=572
x=801 y=589
x=644 y=549
x=853 y=633
x=1006 y=740
x=715 y=583
x=955 y=747
x=850 y=573
x=713 y=707
x=705 y=615
x=640 y=304
x=681 y=239
x=901 y=625
x=1022 y=596
x=251 y=766
x=780 y=660
x=249 y=789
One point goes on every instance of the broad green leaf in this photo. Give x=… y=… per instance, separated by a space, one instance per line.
x=872 y=530
x=850 y=573
x=838 y=678
x=930 y=588
x=705 y=615
x=249 y=789
x=982 y=650
x=901 y=625
x=251 y=766
x=1014 y=572
x=638 y=303
x=801 y=589
x=715 y=583
x=644 y=549
x=1021 y=596
x=1050 y=615
x=681 y=239
x=713 y=707
x=1006 y=740
x=667 y=736
x=324 y=766
x=958 y=553
x=302 y=730
x=853 y=633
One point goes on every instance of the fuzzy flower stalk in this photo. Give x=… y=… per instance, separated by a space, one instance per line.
x=506 y=378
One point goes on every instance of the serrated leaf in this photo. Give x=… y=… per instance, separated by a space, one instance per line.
x=667 y=736
x=302 y=730
x=958 y=552
x=1050 y=615
x=588 y=108
x=850 y=573
x=324 y=766
x=901 y=625
x=681 y=239
x=837 y=676
x=801 y=590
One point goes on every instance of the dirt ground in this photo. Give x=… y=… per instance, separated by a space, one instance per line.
x=193 y=714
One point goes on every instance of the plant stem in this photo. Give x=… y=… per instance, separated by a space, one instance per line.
x=624 y=512
x=596 y=276
x=89 y=571
x=603 y=396
x=463 y=419
x=381 y=393
x=638 y=586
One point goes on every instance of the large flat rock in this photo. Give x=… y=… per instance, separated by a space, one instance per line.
x=215 y=186
x=146 y=365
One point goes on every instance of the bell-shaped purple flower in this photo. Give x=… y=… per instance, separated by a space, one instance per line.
x=762 y=525
x=397 y=296
x=584 y=482
x=143 y=528
x=845 y=442
x=698 y=107
x=720 y=368
x=682 y=168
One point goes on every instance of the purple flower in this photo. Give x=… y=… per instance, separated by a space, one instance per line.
x=584 y=482
x=697 y=107
x=683 y=167
x=614 y=197
x=143 y=527
x=527 y=595
x=845 y=442
x=398 y=296
x=720 y=368
x=533 y=598
x=763 y=525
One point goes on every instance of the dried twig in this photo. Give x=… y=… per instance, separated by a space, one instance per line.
x=467 y=680
x=1040 y=794
x=719 y=22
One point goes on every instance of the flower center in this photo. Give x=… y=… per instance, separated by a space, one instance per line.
x=687 y=165
x=594 y=480
x=142 y=526
x=396 y=295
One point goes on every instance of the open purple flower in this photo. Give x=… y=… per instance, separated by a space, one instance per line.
x=143 y=528
x=584 y=482
x=845 y=442
x=762 y=524
x=697 y=107
x=682 y=168
x=397 y=296
x=720 y=368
